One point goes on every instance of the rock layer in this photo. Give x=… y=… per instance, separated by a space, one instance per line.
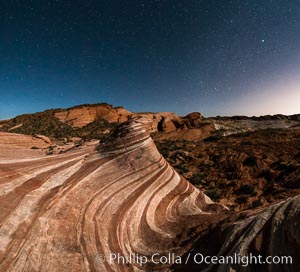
x=13 y=145
x=65 y=212
x=59 y=213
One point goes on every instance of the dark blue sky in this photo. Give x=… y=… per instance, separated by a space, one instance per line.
x=215 y=57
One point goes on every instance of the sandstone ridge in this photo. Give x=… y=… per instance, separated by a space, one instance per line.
x=124 y=198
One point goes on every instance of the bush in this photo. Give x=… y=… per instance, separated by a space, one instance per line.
x=242 y=200
x=213 y=138
x=214 y=194
x=164 y=151
x=256 y=203
x=196 y=178
x=181 y=169
x=246 y=189
x=250 y=161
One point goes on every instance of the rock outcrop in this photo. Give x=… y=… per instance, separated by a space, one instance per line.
x=166 y=122
x=13 y=145
x=125 y=198
x=83 y=115
x=20 y=140
x=90 y=120
x=265 y=240
x=170 y=126
x=68 y=212
x=96 y=120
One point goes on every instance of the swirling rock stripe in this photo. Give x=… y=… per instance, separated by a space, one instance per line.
x=58 y=213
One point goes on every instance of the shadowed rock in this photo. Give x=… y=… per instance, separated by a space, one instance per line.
x=270 y=233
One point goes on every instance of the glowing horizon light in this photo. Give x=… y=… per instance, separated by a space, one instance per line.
x=280 y=97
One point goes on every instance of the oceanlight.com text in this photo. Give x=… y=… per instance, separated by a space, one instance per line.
x=198 y=258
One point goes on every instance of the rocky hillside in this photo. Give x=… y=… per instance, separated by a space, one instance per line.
x=97 y=120
x=242 y=171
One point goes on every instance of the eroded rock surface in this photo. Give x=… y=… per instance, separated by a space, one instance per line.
x=60 y=213
x=13 y=145
x=90 y=121
x=83 y=115
x=273 y=232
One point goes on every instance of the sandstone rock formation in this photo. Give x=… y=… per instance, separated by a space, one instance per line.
x=270 y=233
x=239 y=124
x=58 y=213
x=96 y=120
x=65 y=212
x=81 y=116
x=20 y=140
x=90 y=120
x=165 y=121
x=13 y=145
x=173 y=127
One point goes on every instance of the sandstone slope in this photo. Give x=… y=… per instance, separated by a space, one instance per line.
x=13 y=145
x=59 y=212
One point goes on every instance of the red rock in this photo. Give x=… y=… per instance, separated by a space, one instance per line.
x=65 y=212
x=81 y=116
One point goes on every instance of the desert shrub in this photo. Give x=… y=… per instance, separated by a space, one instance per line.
x=173 y=158
x=197 y=178
x=214 y=194
x=250 y=161
x=269 y=189
x=44 y=123
x=242 y=199
x=245 y=189
x=213 y=138
x=34 y=147
x=181 y=168
x=164 y=151
x=267 y=175
x=256 y=203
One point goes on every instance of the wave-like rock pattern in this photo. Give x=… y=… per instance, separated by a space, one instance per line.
x=59 y=213
x=64 y=212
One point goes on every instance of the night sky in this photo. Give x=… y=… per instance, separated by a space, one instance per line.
x=215 y=57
